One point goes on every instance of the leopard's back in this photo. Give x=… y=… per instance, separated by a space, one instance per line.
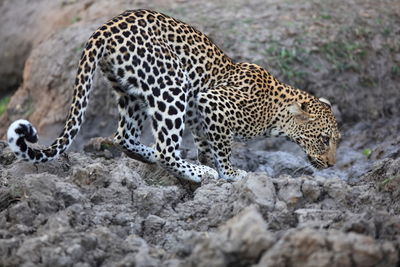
x=145 y=45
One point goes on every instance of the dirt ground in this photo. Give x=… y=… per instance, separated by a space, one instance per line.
x=96 y=207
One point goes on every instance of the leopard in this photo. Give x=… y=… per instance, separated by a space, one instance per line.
x=167 y=72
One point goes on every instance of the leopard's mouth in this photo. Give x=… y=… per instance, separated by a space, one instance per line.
x=316 y=163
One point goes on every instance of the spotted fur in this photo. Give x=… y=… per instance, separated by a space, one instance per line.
x=166 y=70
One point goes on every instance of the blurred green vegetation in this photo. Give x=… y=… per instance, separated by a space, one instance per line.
x=4 y=103
x=367 y=152
x=344 y=55
x=75 y=19
x=288 y=60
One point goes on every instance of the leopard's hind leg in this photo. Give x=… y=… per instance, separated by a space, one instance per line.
x=194 y=122
x=132 y=115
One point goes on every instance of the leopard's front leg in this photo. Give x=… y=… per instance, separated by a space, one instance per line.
x=219 y=133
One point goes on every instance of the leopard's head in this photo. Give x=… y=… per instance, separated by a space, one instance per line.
x=314 y=127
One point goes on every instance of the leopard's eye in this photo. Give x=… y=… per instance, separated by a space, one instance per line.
x=325 y=140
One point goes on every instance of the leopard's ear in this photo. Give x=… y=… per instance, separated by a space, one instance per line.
x=299 y=111
x=325 y=101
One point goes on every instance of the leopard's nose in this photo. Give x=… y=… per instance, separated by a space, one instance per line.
x=331 y=161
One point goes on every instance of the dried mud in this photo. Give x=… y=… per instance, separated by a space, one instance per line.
x=96 y=207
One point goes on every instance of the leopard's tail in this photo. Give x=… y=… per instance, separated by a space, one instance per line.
x=22 y=131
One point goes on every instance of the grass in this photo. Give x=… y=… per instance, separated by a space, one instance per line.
x=325 y=16
x=3 y=104
x=395 y=70
x=75 y=19
x=344 y=55
x=387 y=183
x=387 y=180
x=367 y=152
x=288 y=60
x=387 y=31
x=248 y=20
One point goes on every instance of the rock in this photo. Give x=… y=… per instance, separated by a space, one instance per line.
x=289 y=191
x=239 y=241
x=311 y=190
x=317 y=218
x=141 y=256
x=21 y=213
x=308 y=247
x=94 y=174
x=281 y=163
x=6 y=158
x=386 y=173
x=102 y=147
x=68 y=193
x=338 y=190
x=24 y=19
x=247 y=233
x=152 y=225
x=257 y=188
x=153 y=200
